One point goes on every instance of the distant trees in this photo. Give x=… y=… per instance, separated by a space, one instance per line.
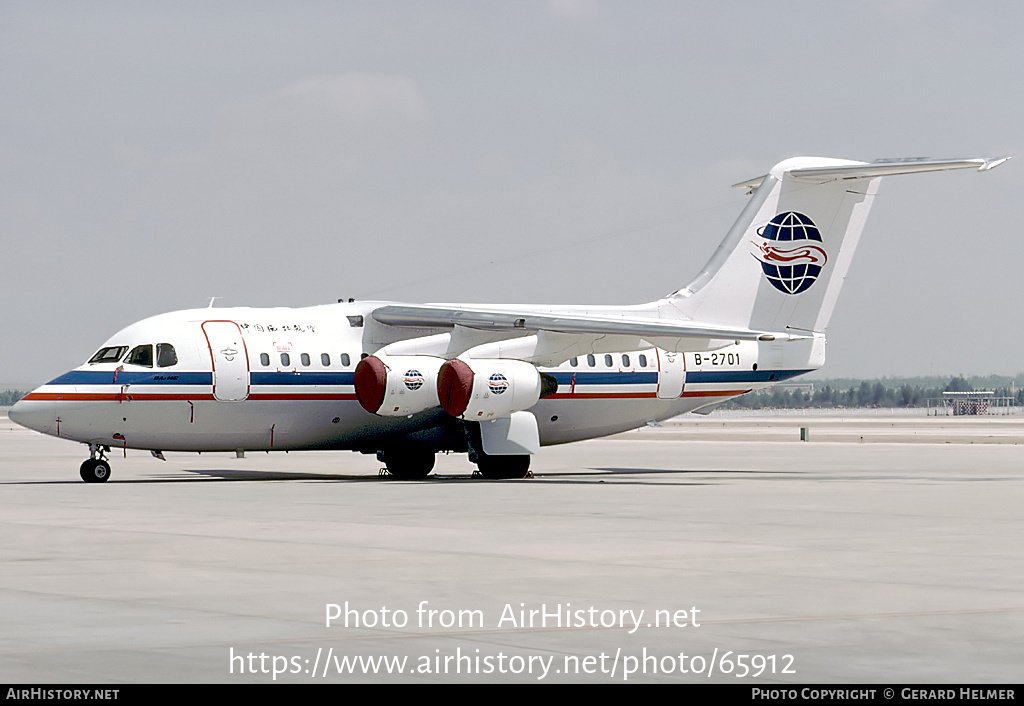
x=9 y=397
x=1017 y=395
x=959 y=385
x=866 y=394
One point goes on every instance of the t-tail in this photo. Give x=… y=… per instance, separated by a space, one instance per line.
x=782 y=264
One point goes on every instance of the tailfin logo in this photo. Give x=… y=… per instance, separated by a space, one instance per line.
x=790 y=259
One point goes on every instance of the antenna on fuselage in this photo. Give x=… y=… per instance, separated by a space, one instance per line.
x=210 y=305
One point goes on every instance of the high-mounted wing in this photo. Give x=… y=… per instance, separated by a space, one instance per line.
x=527 y=321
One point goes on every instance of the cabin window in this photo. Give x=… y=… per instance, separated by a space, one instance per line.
x=643 y=361
x=286 y=360
x=166 y=356
x=608 y=360
x=111 y=354
x=325 y=360
x=625 y=360
x=305 y=359
x=141 y=355
x=264 y=360
x=574 y=362
x=591 y=361
x=345 y=360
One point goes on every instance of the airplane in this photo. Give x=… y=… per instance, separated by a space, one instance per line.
x=497 y=382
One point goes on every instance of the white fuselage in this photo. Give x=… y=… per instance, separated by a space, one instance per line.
x=282 y=379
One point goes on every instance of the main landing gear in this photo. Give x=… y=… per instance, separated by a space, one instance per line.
x=415 y=462
x=503 y=467
x=96 y=468
x=494 y=467
x=408 y=462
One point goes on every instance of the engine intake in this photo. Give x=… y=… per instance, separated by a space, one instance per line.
x=397 y=386
x=488 y=389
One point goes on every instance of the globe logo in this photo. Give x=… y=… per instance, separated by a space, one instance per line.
x=788 y=257
x=498 y=383
x=414 y=379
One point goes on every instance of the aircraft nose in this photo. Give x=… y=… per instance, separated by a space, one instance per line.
x=31 y=414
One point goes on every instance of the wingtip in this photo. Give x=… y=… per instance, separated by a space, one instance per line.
x=993 y=163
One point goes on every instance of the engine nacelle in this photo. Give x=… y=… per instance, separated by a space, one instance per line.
x=397 y=386
x=489 y=389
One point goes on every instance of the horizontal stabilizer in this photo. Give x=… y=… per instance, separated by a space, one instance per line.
x=881 y=167
x=889 y=167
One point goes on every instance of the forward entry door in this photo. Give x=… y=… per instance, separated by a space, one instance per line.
x=230 y=360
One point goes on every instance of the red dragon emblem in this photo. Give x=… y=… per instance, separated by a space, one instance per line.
x=793 y=255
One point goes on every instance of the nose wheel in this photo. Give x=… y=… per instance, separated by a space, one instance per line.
x=97 y=468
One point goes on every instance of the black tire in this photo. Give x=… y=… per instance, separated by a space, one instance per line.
x=409 y=462
x=503 y=467
x=95 y=470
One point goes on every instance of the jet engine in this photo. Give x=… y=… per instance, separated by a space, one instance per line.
x=489 y=389
x=397 y=386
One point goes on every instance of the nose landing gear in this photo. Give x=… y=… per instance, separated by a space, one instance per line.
x=96 y=468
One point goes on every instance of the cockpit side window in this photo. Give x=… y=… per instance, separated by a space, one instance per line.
x=141 y=355
x=110 y=354
x=166 y=356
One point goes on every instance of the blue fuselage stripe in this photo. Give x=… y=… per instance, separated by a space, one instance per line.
x=107 y=377
x=299 y=378
x=609 y=378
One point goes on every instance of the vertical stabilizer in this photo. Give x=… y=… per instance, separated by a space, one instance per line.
x=784 y=261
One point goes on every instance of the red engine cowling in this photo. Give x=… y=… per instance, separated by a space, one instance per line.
x=397 y=386
x=487 y=389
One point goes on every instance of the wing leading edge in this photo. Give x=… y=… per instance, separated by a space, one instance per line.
x=527 y=321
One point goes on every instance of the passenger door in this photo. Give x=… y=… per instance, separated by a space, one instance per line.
x=671 y=374
x=230 y=360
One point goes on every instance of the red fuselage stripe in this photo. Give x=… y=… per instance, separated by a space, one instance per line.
x=269 y=396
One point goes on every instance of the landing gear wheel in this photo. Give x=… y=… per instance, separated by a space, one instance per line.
x=503 y=467
x=408 y=462
x=95 y=470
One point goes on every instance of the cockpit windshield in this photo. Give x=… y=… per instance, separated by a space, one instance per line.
x=141 y=355
x=110 y=354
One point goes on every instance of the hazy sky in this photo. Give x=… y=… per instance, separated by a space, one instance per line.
x=153 y=155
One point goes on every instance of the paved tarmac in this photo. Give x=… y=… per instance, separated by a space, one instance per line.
x=898 y=558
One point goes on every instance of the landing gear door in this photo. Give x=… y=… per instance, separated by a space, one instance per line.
x=514 y=435
x=671 y=375
x=230 y=360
